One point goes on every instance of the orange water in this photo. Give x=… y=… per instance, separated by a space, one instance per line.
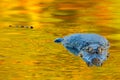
x=31 y=54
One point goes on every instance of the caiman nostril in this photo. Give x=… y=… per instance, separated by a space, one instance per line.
x=95 y=61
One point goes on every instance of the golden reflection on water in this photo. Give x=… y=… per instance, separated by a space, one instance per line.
x=31 y=54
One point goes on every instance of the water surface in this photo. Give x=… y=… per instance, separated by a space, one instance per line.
x=31 y=54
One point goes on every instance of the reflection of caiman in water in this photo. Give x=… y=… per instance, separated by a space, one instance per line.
x=92 y=48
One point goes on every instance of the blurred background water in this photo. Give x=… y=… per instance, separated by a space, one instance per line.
x=31 y=54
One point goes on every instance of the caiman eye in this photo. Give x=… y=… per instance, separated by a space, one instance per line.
x=89 y=49
x=80 y=55
x=108 y=55
x=100 y=50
